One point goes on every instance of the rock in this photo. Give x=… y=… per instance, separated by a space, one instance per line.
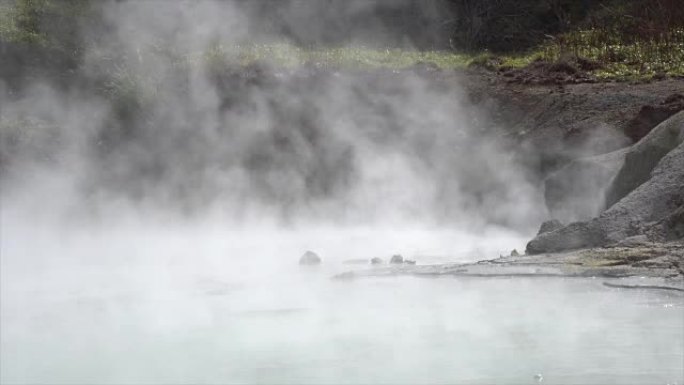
x=310 y=258
x=650 y=116
x=550 y=225
x=655 y=208
x=376 y=261
x=397 y=259
x=514 y=253
x=633 y=241
x=409 y=262
x=577 y=191
x=669 y=228
x=576 y=235
x=641 y=158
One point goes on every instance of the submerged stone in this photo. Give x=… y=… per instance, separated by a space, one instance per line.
x=310 y=258
x=375 y=261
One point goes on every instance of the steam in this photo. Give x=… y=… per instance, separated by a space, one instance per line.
x=177 y=127
x=152 y=212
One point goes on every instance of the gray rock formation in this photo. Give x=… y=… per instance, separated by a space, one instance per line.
x=576 y=191
x=655 y=209
x=309 y=258
x=643 y=157
x=550 y=225
x=376 y=261
x=669 y=228
x=397 y=259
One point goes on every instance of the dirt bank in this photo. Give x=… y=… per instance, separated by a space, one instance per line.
x=563 y=120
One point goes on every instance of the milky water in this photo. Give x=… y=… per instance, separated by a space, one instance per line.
x=211 y=305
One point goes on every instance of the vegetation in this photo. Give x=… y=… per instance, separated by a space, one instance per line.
x=628 y=39
x=289 y=56
x=42 y=33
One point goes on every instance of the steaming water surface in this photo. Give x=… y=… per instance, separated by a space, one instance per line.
x=179 y=306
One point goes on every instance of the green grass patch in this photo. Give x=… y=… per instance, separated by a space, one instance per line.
x=622 y=56
x=289 y=56
x=636 y=60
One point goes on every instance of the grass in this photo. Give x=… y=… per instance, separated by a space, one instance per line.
x=622 y=54
x=638 y=60
x=622 y=57
x=289 y=56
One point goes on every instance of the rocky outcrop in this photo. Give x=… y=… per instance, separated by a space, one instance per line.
x=643 y=157
x=397 y=259
x=309 y=258
x=651 y=115
x=550 y=225
x=669 y=228
x=653 y=209
x=577 y=235
x=576 y=192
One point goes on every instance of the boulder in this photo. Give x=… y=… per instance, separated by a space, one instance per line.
x=397 y=259
x=653 y=209
x=376 y=261
x=550 y=225
x=577 y=235
x=577 y=191
x=643 y=157
x=309 y=258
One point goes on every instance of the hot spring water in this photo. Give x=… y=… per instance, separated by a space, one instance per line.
x=215 y=306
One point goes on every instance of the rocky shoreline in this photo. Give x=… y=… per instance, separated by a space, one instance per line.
x=639 y=233
x=647 y=266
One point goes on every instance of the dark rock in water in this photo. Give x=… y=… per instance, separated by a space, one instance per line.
x=397 y=259
x=310 y=258
x=650 y=116
x=409 y=262
x=376 y=261
x=550 y=225
x=514 y=253
x=643 y=157
x=577 y=191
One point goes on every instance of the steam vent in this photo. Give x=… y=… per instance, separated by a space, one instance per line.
x=310 y=258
